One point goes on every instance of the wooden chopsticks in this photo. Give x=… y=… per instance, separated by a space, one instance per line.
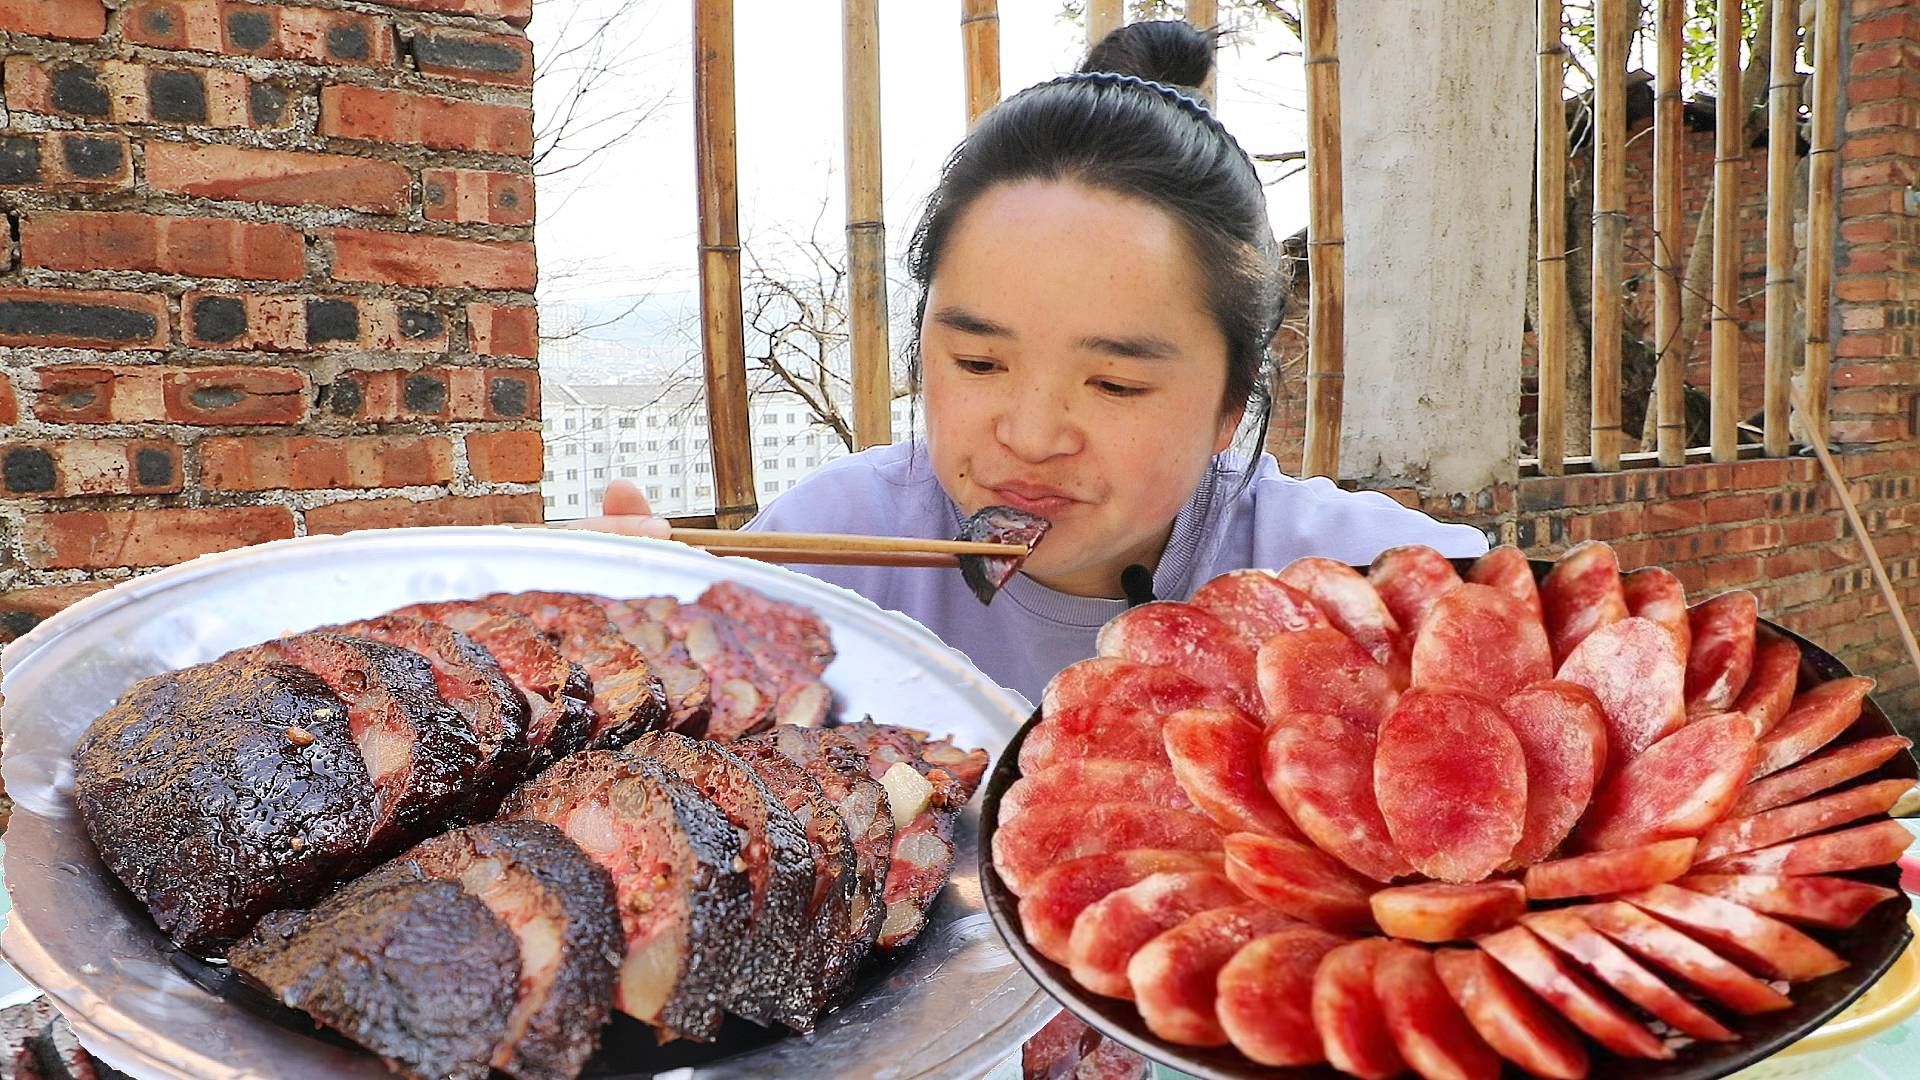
x=839 y=549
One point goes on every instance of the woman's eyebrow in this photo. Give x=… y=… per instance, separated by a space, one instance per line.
x=966 y=322
x=1143 y=347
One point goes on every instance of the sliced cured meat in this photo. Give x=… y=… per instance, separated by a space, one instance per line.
x=1721 y=658
x=1320 y=771
x=627 y=699
x=1347 y=1013
x=1480 y=639
x=559 y=696
x=1509 y=1017
x=795 y=630
x=1567 y=932
x=1605 y=873
x=1530 y=961
x=1188 y=639
x=1300 y=880
x=1106 y=680
x=1652 y=592
x=1762 y=944
x=1258 y=605
x=1507 y=569
x=1451 y=782
x=1353 y=607
x=1059 y=895
x=986 y=575
x=1435 y=911
x=1044 y=836
x=1674 y=952
x=1817 y=774
x=1095 y=780
x=1629 y=664
x=1094 y=731
x=1410 y=580
x=1429 y=1029
x=745 y=696
x=1175 y=976
x=1066 y=1047
x=643 y=622
x=1769 y=691
x=1679 y=787
x=1110 y=930
x=954 y=772
x=1817 y=717
x=1582 y=594
x=1770 y=827
x=1563 y=733
x=1836 y=903
x=1216 y=757
x=1323 y=671
x=1265 y=1002
x=1829 y=853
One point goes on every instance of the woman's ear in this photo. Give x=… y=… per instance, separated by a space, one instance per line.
x=1229 y=424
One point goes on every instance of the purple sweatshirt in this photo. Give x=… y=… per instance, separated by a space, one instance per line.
x=1030 y=632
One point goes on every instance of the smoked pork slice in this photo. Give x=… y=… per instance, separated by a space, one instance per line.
x=628 y=700
x=558 y=694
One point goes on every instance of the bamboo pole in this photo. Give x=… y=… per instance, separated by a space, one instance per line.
x=1103 y=18
x=1550 y=200
x=1326 y=243
x=866 y=228
x=1205 y=15
x=1609 y=225
x=1724 y=389
x=1822 y=223
x=722 y=338
x=1783 y=113
x=980 y=39
x=1669 y=137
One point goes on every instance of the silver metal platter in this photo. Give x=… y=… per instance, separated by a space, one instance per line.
x=951 y=1006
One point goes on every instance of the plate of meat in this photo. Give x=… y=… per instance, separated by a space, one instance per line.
x=469 y=802
x=1452 y=817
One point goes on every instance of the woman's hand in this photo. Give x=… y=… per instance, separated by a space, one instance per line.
x=624 y=511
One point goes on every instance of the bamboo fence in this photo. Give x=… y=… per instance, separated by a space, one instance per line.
x=722 y=337
x=866 y=229
x=1550 y=193
x=980 y=41
x=1728 y=151
x=1326 y=242
x=1609 y=226
x=1783 y=124
x=1670 y=420
x=1822 y=222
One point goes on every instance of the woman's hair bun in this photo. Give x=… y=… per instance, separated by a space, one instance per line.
x=1167 y=51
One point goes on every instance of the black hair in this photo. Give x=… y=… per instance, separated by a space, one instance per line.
x=1121 y=125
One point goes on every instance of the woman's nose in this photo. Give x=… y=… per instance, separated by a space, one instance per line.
x=1037 y=423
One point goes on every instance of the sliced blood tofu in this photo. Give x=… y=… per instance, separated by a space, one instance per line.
x=1110 y=930
x=1721 y=658
x=1679 y=787
x=1630 y=665
x=1095 y=780
x=1428 y=1028
x=1043 y=836
x=1091 y=730
x=559 y=696
x=1066 y=1047
x=1829 y=853
x=1530 y=961
x=1582 y=594
x=677 y=872
x=1817 y=774
x=1264 y=996
x=1836 y=903
x=1563 y=734
x=1508 y=1015
x=628 y=699
x=1451 y=781
x=1188 y=639
x=1757 y=942
x=1674 y=952
x=1323 y=671
x=1354 y=608
x=1175 y=977
x=689 y=692
x=1769 y=691
x=954 y=772
x=744 y=696
x=799 y=633
x=1435 y=911
x=1567 y=932
x=1605 y=873
x=1770 y=827
x=1059 y=895
x=1347 y=1013
x=1653 y=592
x=1320 y=770
x=1300 y=880
x=1816 y=718
x=1410 y=580
x=1216 y=758
x=1258 y=605
x=1507 y=569
x=1107 y=680
x=1480 y=639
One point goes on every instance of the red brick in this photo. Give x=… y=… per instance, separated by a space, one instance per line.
x=459 y=394
x=1867 y=287
x=1735 y=508
x=1673 y=515
x=81 y=394
x=443 y=123
x=394 y=258
x=517 y=12
x=94 y=539
x=299 y=323
x=63 y=468
x=9 y=405
x=504 y=331
x=1869 y=431
x=397 y=513
x=1867 y=401
x=78 y=319
x=200 y=247
x=314 y=35
x=1733 y=573
x=269 y=462
x=284 y=177
x=23 y=609
x=1813 y=530
x=74 y=20
x=457 y=54
x=74 y=161
x=130 y=93
x=473 y=195
x=505 y=457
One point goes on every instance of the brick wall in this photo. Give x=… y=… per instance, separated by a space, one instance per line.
x=270 y=274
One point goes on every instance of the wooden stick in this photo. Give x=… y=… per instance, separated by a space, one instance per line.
x=1103 y=18
x=1669 y=138
x=1822 y=221
x=722 y=337
x=809 y=557
x=1550 y=199
x=866 y=229
x=980 y=39
x=1783 y=112
x=1326 y=243
x=843 y=543
x=1609 y=225
x=1729 y=150
x=1205 y=15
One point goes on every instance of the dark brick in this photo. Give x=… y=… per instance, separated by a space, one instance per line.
x=425 y=393
x=153 y=467
x=27 y=470
x=177 y=97
x=1524 y=532
x=76 y=400
x=342 y=398
x=508 y=397
x=15 y=624
x=417 y=323
x=219 y=319
x=436 y=193
x=348 y=42
x=19 y=160
x=266 y=104
x=249 y=30
x=332 y=320
x=91 y=158
x=433 y=50
x=48 y=318
x=216 y=397
x=158 y=20
x=77 y=90
x=509 y=199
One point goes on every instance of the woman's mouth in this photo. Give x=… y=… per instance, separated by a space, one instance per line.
x=1044 y=501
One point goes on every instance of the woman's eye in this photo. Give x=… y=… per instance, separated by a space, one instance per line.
x=976 y=367
x=1114 y=389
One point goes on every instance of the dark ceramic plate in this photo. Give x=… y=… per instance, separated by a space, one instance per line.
x=1870 y=947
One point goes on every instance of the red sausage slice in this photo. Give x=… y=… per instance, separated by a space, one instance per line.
x=1300 y=880
x=1605 y=873
x=1479 y=638
x=1410 y=580
x=1043 y=836
x=1265 y=1002
x=1721 y=659
x=1769 y=691
x=1653 y=592
x=1106 y=680
x=1323 y=671
x=1816 y=719
x=1095 y=780
x=1814 y=775
x=1430 y=1031
x=1451 y=782
x=1058 y=896
x=1110 y=930
x=1507 y=569
x=1679 y=787
x=1188 y=639
x=1354 y=608
x=1580 y=595
x=1581 y=943
x=1777 y=826
x=1829 y=853
x=1090 y=731
x=1530 y=961
x=1675 y=952
x=1347 y=1014
x=1175 y=977
x=1320 y=770
x=1836 y=903
x=1216 y=759
x=1563 y=733
x=1258 y=605
x=1509 y=1017
x=1434 y=911
x=1631 y=667
x=1757 y=942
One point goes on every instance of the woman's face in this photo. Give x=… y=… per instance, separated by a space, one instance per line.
x=1072 y=369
